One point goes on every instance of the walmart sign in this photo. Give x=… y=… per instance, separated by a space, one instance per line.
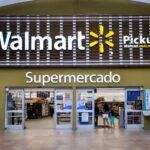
x=75 y=41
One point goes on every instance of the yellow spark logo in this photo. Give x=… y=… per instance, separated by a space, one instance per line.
x=101 y=33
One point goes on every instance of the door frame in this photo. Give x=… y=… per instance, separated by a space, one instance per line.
x=133 y=126
x=22 y=125
x=92 y=126
x=61 y=111
x=40 y=89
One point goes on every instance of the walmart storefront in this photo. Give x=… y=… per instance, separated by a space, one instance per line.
x=77 y=58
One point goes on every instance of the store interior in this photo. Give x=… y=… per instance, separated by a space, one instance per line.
x=39 y=108
x=115 y=98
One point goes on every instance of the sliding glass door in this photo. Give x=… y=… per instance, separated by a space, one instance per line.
x=14 y=114
x=85 y=108
x=63 y=108
x=134 y=104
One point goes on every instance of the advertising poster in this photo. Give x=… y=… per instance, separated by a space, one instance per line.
x=67 y=104
x=85 y=102
x=85 y=117
x=80 y=105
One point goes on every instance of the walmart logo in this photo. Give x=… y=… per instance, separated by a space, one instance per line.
x=106 y=41
x=27 y=41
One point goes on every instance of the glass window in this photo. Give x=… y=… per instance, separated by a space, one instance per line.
x=134 y=117
x=63 y=118
x=14 y=101
x=14 y=119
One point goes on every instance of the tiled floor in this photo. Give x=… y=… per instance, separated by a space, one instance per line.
x=100 y=122
x=41 y=123
x=99 y=139
x=48 y=123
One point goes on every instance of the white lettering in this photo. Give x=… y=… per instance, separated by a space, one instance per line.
x=60 y=44
x=17 y=43
x=54 y=78
x=4 y=44
x=126 y=39
x=70 y=41
x=92 y=80
x=29 y=77
x=26 y=41
x=116 y=78
x=80 y=40
x=80 y=78
x=135 y=41
x=41 y=41
x=45 y=79
x=108 y=78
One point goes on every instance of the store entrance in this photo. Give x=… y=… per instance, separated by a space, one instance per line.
x=109 y=107
x=49 y=108
x=39 y=108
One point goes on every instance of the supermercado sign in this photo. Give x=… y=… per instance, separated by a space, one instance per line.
x=45 y=79
x=74 y=40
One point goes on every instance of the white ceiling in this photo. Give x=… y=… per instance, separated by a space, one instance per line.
x=111 y=94
x=143 y=1
x=10 y=2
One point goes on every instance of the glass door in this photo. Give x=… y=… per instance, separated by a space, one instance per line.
x=14 y=114
x=63 y=108
x=85 y=108
x=134 y=104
